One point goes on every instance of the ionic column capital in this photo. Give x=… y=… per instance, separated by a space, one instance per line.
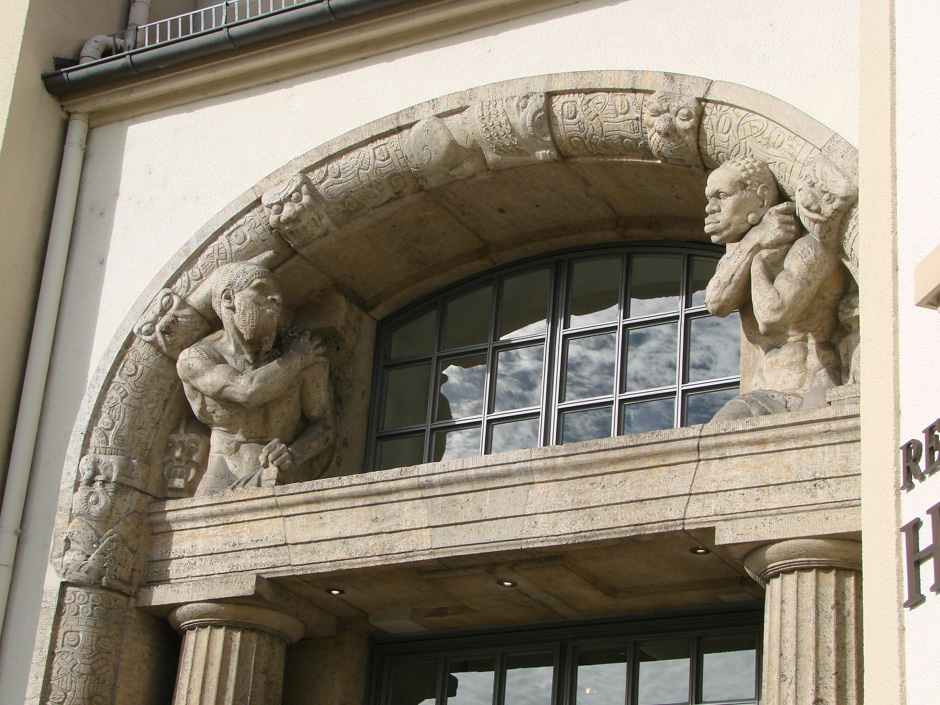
x=802 y=554
x=225 y=614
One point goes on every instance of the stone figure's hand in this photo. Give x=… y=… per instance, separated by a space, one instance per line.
x=276 y=454
x=307 y=348
x=778 y=227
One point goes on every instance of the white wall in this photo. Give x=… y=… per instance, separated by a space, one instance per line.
x=918 y=153
x=150 y=182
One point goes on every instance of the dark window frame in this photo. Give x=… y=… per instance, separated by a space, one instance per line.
x=551 y=406
x=563 y=640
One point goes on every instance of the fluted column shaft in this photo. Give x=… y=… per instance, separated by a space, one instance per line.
x=812 y=621
x=232 y=654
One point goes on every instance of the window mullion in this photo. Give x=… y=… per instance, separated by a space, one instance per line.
x=619 y=367
x=682 y=354
x=553 y=348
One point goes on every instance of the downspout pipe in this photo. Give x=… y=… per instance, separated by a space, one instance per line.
x=40 y=350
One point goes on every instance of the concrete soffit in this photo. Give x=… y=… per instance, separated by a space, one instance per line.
x=403 y=206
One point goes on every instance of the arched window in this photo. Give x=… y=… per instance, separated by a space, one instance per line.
x=561 y=349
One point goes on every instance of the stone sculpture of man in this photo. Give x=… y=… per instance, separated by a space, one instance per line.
x=785 y=281
x=265 y=396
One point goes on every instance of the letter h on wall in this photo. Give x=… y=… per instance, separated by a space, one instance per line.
x=914 y=555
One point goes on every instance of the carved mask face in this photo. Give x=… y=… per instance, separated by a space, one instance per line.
x=256 y=310
x=672 y=128
x=291 y=209
x=730 y=203
x=185 y=455
x=822 y=192
x=167 y=323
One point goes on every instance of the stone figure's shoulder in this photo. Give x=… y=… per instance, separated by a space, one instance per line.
x=205 y=351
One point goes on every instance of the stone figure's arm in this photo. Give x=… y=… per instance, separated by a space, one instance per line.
x=222 y=382
x=319 y=436
x=728 y=289
x=777 y=300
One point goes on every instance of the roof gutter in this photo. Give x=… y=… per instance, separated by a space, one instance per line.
x=232 y=36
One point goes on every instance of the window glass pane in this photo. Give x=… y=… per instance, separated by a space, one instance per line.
x=529 y=679
x=585 y=424
x=413 y=683
x=702 y=406
x=519 y=378
x=655 y=283
x=651 y=357
x=589 y=366
x=461 y=387
x=714 y=347
x=471 y=682
x=702 y=272
x=524 y=304
x=468 y=319
x=456 y=443
x=650 y=415
x=601 y=678
x=401 y=452
x=729 y=668
x=414 y=338
x=514 y=435
x=664 y=672
x=406 y=396
x=594 y=294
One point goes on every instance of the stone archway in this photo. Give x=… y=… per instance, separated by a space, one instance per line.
x=362 y=225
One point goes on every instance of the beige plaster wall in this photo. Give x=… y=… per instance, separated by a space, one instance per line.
x=918 y=24
x=150 y=182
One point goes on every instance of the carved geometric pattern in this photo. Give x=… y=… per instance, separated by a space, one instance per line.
x=364 y=178
x=87 y=645
x=248 y=237
x=733 y=132
x=605 y=124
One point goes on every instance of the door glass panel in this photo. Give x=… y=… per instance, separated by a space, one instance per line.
x=456 y=443
x=514 y=435
x=664 y=672
x=729 y=668
x=414 y=338
x=518 y=378
x=651 y=357
x=406 y=397
x=714 y=348
x=401 y=452
x=585 y=424
x=461 y=387
x=589 y=366
x=468 y=319
x=524 y=304
x=655 y=284
x=601 y=678
x=471 y=682
x=413 y=683
x=529 y=679
x=702 y=406
x=702 y=272
x=650 y=415
x=594 y=293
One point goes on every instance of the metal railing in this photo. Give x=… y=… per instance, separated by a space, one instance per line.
x=199 y=22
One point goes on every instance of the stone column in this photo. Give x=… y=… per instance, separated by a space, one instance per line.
x=232 y=654
x=812 y=621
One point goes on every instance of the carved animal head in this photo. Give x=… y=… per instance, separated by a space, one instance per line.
x=823 y=192
x=739 y=193
x=186 y=453
x=672 y=122
x=292 y=211
x=170 y=324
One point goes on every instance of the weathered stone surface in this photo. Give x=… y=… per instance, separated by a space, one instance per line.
x=813 y=630
x=252 y=383
x=170 y=324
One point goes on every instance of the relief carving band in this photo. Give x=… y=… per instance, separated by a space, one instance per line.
x=783 y=271
x=263 y=391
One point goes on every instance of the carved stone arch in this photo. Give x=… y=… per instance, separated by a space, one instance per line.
x=400 y=207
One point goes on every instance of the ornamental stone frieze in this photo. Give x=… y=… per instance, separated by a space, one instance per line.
x=356 y=228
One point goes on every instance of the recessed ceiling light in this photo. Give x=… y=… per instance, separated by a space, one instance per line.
x=507 y=583
x=699 y=550
x=335 y=591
